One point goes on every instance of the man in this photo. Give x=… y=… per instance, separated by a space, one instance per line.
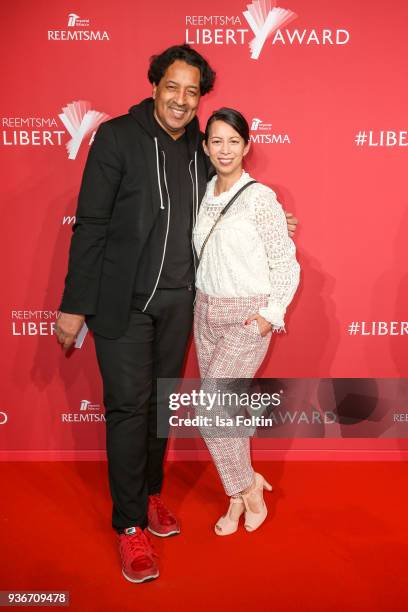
x=131 y=276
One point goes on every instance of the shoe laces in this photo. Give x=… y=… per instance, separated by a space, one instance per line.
x=137 y=545
x=165 y=516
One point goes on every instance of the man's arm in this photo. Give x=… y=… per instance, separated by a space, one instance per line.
x=100 y=183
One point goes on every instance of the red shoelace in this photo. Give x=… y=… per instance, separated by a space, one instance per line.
x=137 y=550
x=165 y=516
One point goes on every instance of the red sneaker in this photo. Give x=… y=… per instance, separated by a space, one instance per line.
x=138 y=556
x=162 y=522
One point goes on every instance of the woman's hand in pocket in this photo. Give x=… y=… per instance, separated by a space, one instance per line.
x=264 y=326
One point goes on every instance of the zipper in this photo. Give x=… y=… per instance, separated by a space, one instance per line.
x=167 y=229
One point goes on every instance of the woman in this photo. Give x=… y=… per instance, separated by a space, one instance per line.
x=246 y=278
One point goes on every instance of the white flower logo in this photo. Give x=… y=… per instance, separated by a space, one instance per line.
x=80 y=120
x=265 y=18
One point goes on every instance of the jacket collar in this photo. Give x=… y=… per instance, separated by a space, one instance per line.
x=143 y=114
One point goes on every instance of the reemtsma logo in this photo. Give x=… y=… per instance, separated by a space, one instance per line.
x=262 y=133
x=78 y=29
x=87 y=405
x=72 y=19
x=258 y=124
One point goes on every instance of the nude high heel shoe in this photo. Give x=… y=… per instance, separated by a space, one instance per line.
x=228 y=523
x=254 y=498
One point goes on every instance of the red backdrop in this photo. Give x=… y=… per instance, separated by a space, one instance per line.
x=327 y=102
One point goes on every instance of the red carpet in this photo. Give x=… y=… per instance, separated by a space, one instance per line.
x=336 y=538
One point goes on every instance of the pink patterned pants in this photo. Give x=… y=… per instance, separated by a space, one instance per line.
x=227 y=348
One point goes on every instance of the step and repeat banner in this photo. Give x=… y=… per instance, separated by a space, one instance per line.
x=323 y=86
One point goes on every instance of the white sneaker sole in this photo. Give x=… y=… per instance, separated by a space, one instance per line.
x=163 y=535
x=147 y=579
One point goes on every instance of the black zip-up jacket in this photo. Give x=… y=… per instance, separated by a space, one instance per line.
x=122 y=194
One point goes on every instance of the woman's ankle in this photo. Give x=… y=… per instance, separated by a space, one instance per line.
x=253 y=498
x=249 y=489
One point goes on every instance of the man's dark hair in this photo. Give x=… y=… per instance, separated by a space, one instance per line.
x=160 y=63
x=233 y=118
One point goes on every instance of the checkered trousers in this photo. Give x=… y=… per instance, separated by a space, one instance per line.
x=227 y=348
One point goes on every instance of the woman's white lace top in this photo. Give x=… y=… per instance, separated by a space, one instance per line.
x=249 y=251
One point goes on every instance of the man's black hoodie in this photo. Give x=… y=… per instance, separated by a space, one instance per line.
x=119 y=218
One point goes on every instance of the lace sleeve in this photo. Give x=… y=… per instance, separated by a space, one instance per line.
x=270 y=221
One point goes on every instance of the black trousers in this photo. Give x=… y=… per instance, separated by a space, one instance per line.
x=153 y=347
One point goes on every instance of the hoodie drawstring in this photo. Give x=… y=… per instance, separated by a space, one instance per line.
x=195 y=209
x=194 y=196
x=158 y=173
x=165 y=178
x=196 y=180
